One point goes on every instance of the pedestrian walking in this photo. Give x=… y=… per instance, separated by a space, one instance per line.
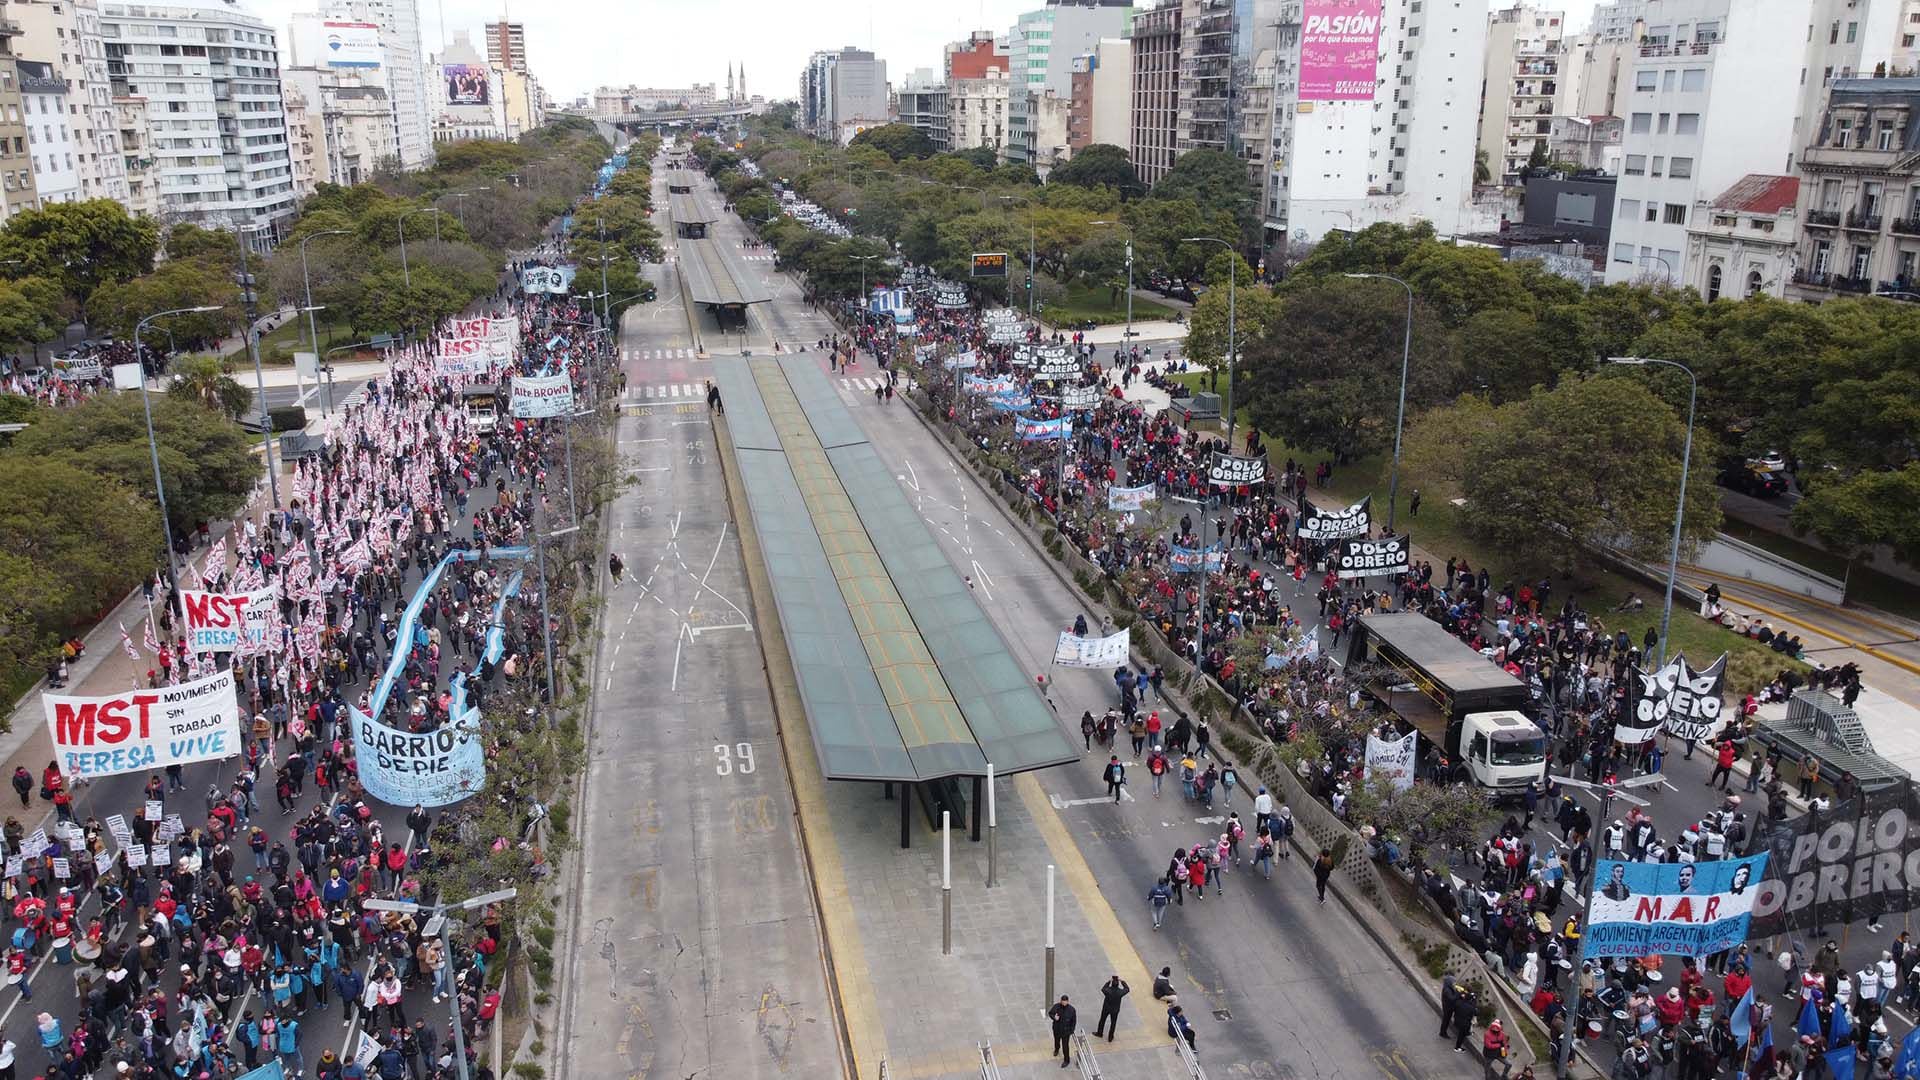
x=1116 y=777
x=1158 y=898
x=1322 y=873
x=1065 y=1023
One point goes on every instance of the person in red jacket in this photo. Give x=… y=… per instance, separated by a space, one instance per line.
x=1736 y=984
x=1494 y=1045
x=1723 y=765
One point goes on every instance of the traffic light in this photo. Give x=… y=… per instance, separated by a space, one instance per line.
x=1029 y=282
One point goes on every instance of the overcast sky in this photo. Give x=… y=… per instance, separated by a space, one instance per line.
x=576 y=45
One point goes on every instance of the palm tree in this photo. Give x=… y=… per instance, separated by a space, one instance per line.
x=208 y=381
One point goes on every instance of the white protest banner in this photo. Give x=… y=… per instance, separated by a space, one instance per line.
x=368 y=1049
x=468 y=329
x=1080 y=398
x=1392 y=759
x=1130 y=499
x=1318 y=524
x=536 y=397
x=136 y=855
x=145 y=729
x=1230 y=471
x=1676 y=697
x=62 y=869
x=154 y=811
x=502 y=336
x=462 y=356
x=15 y=864
x=77 y=368
x=1072 y=650
x=102 y=861
x=433 y=768
x=1365 y=558
x=217 y=621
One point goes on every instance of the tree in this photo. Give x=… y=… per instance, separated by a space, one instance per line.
x=1256 y=311
x=120 y=305
x=189 y=241
x=1538 y=158
x=1482 y=174
x=1870 y=509
x=1592 y=463
x=208 y=382
x=205 y=458
x=980 y=157
x=897 y=141
x=82 y=245
x=1098 y=165
x=1216 y=180
x=29 y=311
x=1327 y=377
x=71 y=543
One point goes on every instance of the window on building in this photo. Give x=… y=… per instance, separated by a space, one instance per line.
x=1645 y=81
x=1686 y=123
x=1629 y=209
x=1680 y=168
x=1623 y=253
x=1642 y=123
x=1713 y=283
x=1667 y=79
x=1676 y=214
x=1883 y=135
x=1822 y=256
x=1664 y=118
x=1636 y=164
x=1861 y=261
x=1693 y=80
x=1842 y=131
x=1853 y=32
x=1659 y=165
x=1833 y=33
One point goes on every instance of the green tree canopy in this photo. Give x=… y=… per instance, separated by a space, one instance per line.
x=189 y=241
x=82 y=245
x=1216 y=180
x=1871 y=509
x=118 y=306
x=208 y=381
x=1099 y=165
x=1592 y=463
x=897 y=141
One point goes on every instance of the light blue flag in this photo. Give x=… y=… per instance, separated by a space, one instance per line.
x=1809 y=1022
x=1742 y=1019
x=1907 y=1065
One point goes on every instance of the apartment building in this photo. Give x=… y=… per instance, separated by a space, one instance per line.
x=468 y=99
x=1710 y=97
x=1741 y=242
x=841 y=91
x=1154 y=120
x=1524 y=77
x=65 y=35
x=303 y=151
x=977 y=111
x=211 y=77
x=374 y=43
x=349 y=123
x=132 y=124
x=1101 y=109
x=1041 y=49
x=51 y=140
x=922 y=105
x=507 y=46
x=1859 y=197
x=1393 y=140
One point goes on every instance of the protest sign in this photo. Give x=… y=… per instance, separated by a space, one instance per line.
x=1230 y=471
x=1355 y=520
x=1041 y=430
x=62 y=869
x=1391 y=759
x=145 y=729
x=1676 y=697
x=1129 y=499
x=1080 y=398
x=1679 y=909
x=1187 y=560
x=546 y=279
x=1857 y=860
x=218 y=622
x=462 y=356
x=1072 y=650
x=536 y=397
x=1360 y=557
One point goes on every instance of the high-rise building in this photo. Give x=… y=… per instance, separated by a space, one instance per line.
x=406 y=78
x=1206 y=75
x=1153 y=124
x=1040 y=57
x=211 y=74
x=1711 y=93
x=136 y=156
x=977 y=111
x=1525 y=76
x=507 y=47
x=1620 y=21
x=51 y=140
x=1859 y=194
x=349 y=124
x=468 y=99
x=842 y=92
x=1387 y=138
x=1102 y=110
x=971 y=58
x=65 y=34
x=921 y=104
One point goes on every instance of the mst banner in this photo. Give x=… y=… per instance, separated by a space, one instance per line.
x=1683 y=701
x=1090 y=652
x=1355 y=520
x=145 y=729
x=216 y=622
x=536 y=397
x=1859 y=859
x=463 y=356
x=1682 y=909
x=1365 y=558
x=1230 y=471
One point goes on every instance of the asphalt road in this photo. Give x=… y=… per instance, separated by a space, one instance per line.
x=697 y=953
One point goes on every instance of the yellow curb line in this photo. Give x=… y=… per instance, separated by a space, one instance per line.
x=1831 y=635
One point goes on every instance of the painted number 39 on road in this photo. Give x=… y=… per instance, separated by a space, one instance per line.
x=728 y=759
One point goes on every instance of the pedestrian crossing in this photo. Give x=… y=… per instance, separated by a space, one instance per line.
x=871 y=383
x=757 y=258
x=660 y=354
x=668 y=392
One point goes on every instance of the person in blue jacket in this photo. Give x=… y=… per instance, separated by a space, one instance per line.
x=287 y=1046
x=249 y=1032
x=349 y=984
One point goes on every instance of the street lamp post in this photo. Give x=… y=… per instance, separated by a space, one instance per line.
x=1400 y=419
x=1672 y=279
x=251 y=297
x=437 y=913
x=863 y=260
x=313 y=332
x=1680 y=504
x=153 y=445
x=1233 y=279
x=1129 y=333
x=405 y=272
x=460 y=208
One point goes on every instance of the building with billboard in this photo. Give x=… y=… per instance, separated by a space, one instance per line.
x=468 y=100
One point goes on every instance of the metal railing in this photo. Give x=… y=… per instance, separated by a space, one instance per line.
x=1188 y=1059
x=1083 y=1056
x=989 y=1068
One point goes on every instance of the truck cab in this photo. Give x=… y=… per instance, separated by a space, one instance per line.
x=1505 y=751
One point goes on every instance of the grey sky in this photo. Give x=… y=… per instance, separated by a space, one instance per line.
x=576 y=45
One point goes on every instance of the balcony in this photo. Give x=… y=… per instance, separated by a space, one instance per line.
x=1862 y=221
x=1823 y=218
x=1819 y=279
x=1903 y=289
x=1694 y=48
x=1906 y=226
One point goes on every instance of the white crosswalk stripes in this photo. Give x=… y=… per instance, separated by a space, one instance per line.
x=874 y=382
x=660 y=354
x=668 y=392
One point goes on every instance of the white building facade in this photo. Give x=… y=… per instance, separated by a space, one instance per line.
x=1524 y=77
x=51 y=140
x=977 y=112
x=211 y=77
x=66 y=35
x=1040 y=56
